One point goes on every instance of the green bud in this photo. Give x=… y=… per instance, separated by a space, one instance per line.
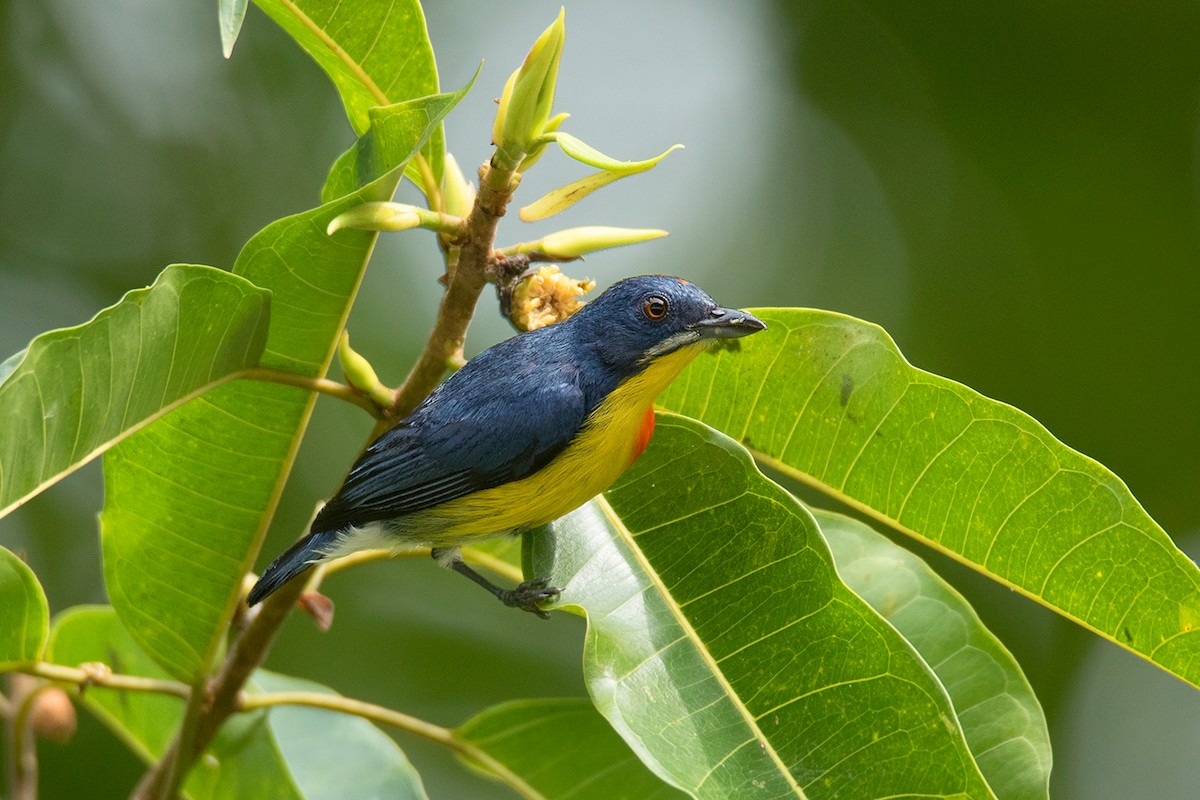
x=528 y=96
x=575 y=242
x=458 y=194
x=361 y=375
x=377 y=217
x=395 y=217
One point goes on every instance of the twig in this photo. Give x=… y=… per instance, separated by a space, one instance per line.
x=98 y=676
x=397 y=719
x=496 y=186
x=221 y=694
x=472 y=555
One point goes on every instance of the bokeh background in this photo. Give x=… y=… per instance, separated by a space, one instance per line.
x=1010 y=187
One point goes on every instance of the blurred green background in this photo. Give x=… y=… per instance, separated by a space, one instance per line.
x=1010 y=188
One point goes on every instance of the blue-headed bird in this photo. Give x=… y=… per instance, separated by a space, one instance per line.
x=527 y=431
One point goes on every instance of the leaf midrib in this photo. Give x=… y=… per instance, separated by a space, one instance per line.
x=338 y=51
x=698 y=643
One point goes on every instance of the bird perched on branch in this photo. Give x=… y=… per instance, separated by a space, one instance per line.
x=526 y=432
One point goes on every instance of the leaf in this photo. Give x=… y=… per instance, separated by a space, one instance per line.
x=376 y=53
x=76 y=391
x=388 y=141
x=327 y=752
x=24 y=615
x=232 y=14
x=188 y=499
x=999 y=714
x=597 y=764
x=831 y=401
x=723 y=648
x=255 y=754
x=144 y=721
x=611 y=170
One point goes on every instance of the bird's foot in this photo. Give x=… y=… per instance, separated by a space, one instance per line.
x=529 y=595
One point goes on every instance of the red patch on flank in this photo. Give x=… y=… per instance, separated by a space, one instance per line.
x=645 y=431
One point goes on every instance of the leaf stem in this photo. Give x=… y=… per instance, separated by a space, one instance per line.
x=397 y=719
x=319 y=385
x=100 y=675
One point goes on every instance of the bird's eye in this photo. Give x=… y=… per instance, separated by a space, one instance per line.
x=655 y=307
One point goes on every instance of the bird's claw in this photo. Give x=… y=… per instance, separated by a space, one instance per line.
x=529 y=595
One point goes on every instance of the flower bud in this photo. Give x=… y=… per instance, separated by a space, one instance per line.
x=546 y=297
x=528 y=95
x=377 y=217
x=575 y=242
x=361 y=375
x=458 y=194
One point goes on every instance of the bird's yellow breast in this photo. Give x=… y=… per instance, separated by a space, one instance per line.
x=607 y=443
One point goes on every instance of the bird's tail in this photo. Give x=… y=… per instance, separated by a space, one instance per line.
x=291 y=563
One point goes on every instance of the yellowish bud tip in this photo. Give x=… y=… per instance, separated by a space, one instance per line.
x=529 y=94
x=458 y=194
x=548 y=296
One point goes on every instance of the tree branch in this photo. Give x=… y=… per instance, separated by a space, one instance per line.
x=466 y=282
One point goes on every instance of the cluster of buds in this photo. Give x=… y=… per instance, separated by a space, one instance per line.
x=524 y=114
x=524 y=127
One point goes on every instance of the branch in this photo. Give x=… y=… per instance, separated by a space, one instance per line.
x=221 y=694
x=472 y=555
x=397 y=719
x=466 y=282
x=100 y=675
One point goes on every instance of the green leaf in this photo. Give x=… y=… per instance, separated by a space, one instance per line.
x=999 y=714
x=612 y=170
x=831 y=401
x=327 y=751
x=231 y=13
x=300 y=753
x=188 y=499
x=74 y=392
x=388 y=141
x=725 y=650
x=377 y=53
x=24 y=615
x=597 y=765
x=144 y=721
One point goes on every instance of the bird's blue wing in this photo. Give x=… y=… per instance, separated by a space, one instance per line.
x=474 y=433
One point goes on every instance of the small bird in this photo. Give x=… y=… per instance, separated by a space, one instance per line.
x=527 y=431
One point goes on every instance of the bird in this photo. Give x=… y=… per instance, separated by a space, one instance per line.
x=524 y=433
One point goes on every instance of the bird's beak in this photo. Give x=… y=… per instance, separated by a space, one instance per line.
x=728 y=323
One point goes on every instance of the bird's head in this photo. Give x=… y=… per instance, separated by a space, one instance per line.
x=638 y=320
